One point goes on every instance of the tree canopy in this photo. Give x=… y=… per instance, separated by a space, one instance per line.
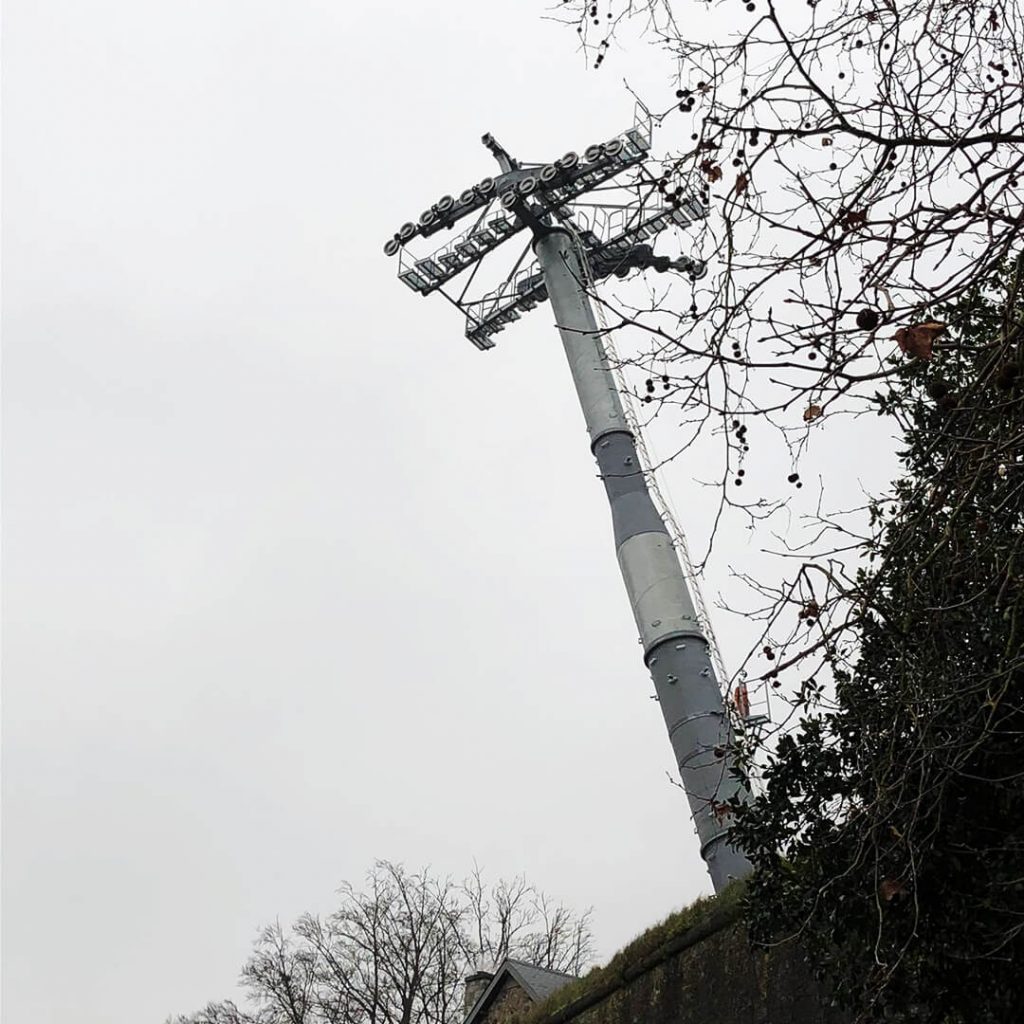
x=397 y=951
x=861 y=160
x=889 y=837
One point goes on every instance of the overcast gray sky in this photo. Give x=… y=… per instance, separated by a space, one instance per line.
x=295 y=577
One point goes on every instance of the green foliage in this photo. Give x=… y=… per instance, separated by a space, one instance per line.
x=890 y=839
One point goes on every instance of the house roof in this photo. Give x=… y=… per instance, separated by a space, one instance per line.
x=537 y=982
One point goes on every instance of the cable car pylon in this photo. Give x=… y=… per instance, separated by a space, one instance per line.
x=574 y=244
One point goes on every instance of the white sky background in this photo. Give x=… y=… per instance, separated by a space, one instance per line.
x=295 y=577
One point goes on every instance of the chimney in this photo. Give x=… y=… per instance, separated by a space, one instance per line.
x=475 y=985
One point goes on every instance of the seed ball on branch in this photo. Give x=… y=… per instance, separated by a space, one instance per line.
x=867 y=319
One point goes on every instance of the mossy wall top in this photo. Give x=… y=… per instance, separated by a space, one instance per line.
x=696 y=968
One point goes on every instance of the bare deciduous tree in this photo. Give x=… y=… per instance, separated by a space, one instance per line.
x=398 y=950
x=513 y=919
x=862 y=161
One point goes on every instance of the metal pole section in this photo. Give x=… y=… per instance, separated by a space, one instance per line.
x=675 y=649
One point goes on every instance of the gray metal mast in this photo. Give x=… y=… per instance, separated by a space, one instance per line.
x=675 y=649
x=675 y=646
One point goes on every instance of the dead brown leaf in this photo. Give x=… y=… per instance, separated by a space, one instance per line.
x=711 y=170
x=811 y=413
x=917 y=341
x=721 y=811
x=890 y=888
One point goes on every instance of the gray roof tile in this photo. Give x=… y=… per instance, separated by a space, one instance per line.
x=537 y=982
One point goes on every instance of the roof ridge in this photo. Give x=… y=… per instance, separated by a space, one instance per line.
x=538 y=983
x=537 y=967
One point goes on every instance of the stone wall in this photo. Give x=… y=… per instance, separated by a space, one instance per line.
x=704 y=974
x=509 y=1003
